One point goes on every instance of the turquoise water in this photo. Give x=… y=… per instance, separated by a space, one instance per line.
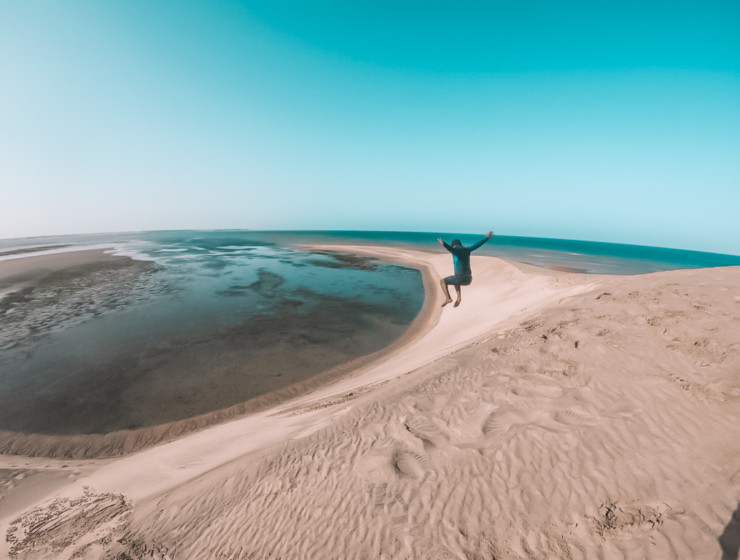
x=587 y=256
x=584 y=256
x=201 y=321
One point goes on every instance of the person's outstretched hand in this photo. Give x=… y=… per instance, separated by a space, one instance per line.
x=439 y=240
x=489 y=234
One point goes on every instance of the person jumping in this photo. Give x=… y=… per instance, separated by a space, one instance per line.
x=463 y=276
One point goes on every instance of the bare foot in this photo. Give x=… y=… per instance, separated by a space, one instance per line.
x=445 y=302
x=456 y=303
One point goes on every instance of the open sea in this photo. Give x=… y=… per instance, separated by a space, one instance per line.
x=205 y=320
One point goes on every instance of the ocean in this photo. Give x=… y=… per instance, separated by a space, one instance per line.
x=205 y=320
x=582 y=256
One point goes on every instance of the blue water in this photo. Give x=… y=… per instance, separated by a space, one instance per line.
x=201 y=321
x=585 y=256
x=206 y=320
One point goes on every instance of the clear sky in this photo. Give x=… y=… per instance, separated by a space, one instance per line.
x=607 y=121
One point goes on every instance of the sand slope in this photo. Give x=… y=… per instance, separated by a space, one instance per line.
x=552 y=415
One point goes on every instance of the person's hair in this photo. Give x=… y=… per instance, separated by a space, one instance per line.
x=456 y=243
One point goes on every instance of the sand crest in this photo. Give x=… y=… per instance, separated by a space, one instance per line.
x=551 y=415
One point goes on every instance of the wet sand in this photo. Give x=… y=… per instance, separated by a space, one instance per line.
x=31 y=250
x=36 y=270
x=551 y=415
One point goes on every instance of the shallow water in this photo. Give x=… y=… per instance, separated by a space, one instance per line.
x=209 y=321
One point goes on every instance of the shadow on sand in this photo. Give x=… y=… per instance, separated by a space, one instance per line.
x=729 y=540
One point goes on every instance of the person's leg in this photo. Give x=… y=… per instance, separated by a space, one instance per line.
x=446 y=291
x=461 y=281
x=459 y=295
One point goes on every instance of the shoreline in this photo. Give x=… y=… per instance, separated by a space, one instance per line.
x=414 y=350
x=19 y=270
x=29 y=250
x=123 y=442
x=578 y=408
x=341 y=384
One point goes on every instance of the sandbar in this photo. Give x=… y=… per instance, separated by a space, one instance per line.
x=551 y=415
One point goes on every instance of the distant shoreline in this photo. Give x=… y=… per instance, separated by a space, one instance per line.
x=32 y=250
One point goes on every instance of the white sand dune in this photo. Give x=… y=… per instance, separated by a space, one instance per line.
x=551 y=415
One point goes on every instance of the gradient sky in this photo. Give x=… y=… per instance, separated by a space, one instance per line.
x=605 y=121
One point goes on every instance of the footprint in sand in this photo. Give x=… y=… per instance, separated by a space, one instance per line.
x=409 y=464
x=385 y=466
x=571 y=418
x=501 y=422
x=425 y=430
x=634 y=518
x=379 y=493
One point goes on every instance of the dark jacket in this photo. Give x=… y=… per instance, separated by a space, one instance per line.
x=461 y=256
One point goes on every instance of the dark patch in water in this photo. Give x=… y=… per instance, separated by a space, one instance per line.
x=214 y=264
x=267 y=283
x=293 y=263
x=232 y=291
x=292 y=303
x=71 y=296
x=345 y=260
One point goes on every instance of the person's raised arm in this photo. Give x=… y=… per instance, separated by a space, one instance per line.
x=474 y=246
x=449 y=248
